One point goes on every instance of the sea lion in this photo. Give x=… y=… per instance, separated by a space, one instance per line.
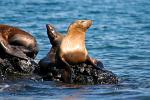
x=55 y=39
x=16 y=42
x=72 y=49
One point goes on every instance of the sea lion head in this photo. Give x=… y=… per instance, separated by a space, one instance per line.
x=54 y=36
x=82 y=25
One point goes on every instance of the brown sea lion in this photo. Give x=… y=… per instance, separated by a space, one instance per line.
x=17 y=42
x=72 y=49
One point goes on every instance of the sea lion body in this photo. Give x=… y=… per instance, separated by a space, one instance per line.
x=17 y=42
x=55 y=40
x=72 y=48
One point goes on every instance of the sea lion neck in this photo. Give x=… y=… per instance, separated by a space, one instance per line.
x=76 y=34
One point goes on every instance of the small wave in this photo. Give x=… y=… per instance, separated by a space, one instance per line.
x=2 y=87
x=136 y=57
x=94 y=12
x=111 y=47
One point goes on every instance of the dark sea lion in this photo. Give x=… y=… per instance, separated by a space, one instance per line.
x=17 y=42
x=55 y=39
x=72 y=49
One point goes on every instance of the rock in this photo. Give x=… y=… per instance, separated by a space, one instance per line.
x=85 y=74
x=13 y=67
x=81 y=74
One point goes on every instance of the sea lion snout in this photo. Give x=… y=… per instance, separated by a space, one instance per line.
x=86 y=23
x=50 y=31
x=50 y=27
x=54 y=36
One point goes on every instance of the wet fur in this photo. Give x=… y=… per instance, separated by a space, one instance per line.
x=17 y=42
x=72 y=48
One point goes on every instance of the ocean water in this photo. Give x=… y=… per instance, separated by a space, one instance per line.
x=119 y=36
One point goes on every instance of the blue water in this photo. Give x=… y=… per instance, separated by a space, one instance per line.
x=119 y=36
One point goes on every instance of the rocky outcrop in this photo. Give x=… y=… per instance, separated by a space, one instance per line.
x=81 y=74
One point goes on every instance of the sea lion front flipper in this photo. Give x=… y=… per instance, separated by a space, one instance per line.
x=68 y=68
x=13 y=51
x=95 y=63
x=19 y=53
x=99 y=64
x=45 y=62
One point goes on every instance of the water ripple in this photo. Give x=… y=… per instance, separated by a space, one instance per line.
x=119 y=37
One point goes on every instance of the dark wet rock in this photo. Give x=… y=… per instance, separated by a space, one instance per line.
x=81 y=74
x=15 y=68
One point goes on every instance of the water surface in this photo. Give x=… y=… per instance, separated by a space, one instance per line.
x=120 y=37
